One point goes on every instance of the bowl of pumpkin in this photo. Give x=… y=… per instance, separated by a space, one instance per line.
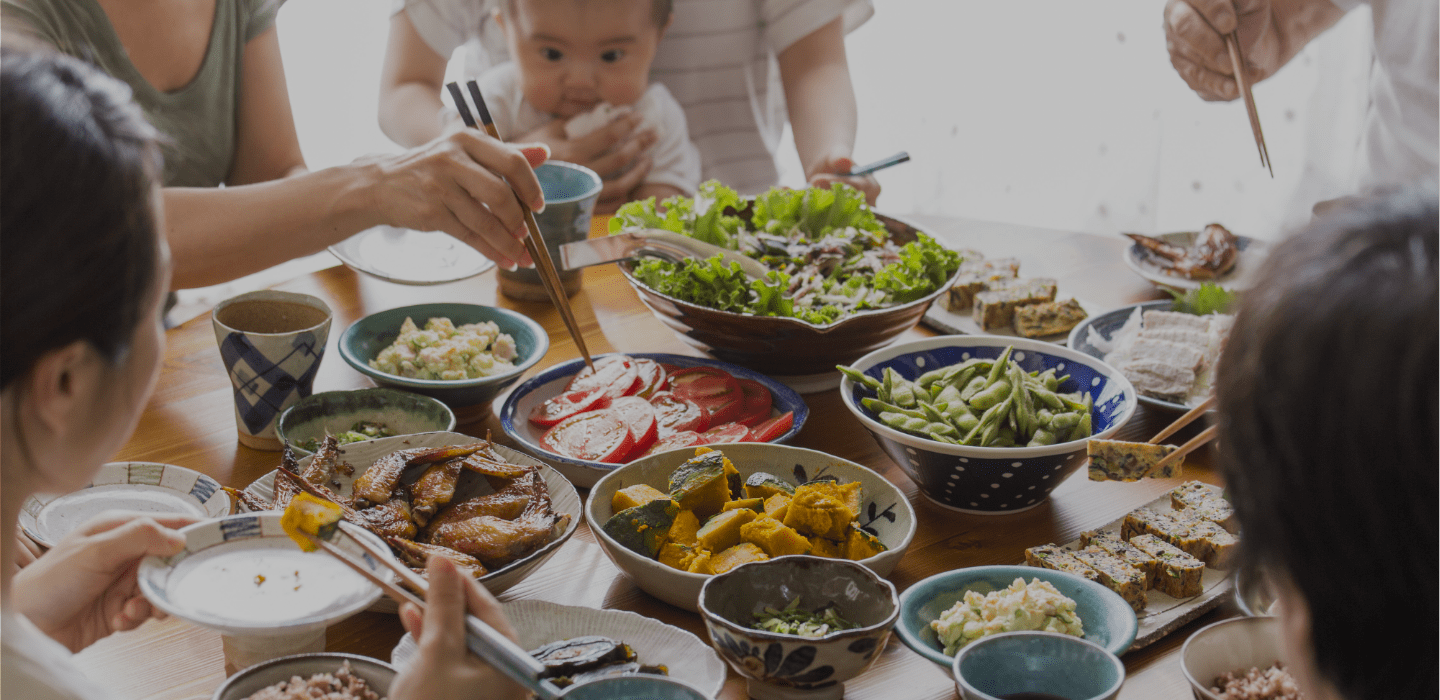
x=672 y=520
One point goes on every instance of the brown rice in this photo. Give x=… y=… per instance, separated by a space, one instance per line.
x=341 y=685
x=1274 y=683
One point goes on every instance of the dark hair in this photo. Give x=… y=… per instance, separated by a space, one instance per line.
x=78 y=233
x=660 y=10
x=1328 y=437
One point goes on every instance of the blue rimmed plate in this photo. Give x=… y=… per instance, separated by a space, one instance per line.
x=514 y=415
x=146 y=487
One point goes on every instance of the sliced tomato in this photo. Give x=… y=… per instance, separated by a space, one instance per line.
x=615 y=374
x=715 y=390
x=597 y=436
x=676 y=415
x=675 y=441
x=653 y=377
x=757 y=403
x=730 y=432
x=639 y=415
x=773 y=428
x=568 y=404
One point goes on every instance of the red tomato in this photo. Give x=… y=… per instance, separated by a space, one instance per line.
x=566 y=405
x=652 y=377
x=757 y=403
x=730 y=432
x=639 y=415
x=615 y=374
x=715 y=390
x=676 y=415
x=773 y=428
x=688 y=438
x=598 y=436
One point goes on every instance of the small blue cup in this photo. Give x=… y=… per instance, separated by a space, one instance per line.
x=570 y=195
x=1036 y=664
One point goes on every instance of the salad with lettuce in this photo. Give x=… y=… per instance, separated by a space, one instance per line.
x=827 y=253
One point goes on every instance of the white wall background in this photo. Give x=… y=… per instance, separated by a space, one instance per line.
x=1057 y=113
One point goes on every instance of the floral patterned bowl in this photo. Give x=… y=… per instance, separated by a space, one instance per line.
x=790 y=667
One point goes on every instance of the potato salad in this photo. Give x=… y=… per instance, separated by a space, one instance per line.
x=444 y=351
x=1020 y=607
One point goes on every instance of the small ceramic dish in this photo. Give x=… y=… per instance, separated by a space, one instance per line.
x=1036 y=665
x=360 y=455
x=146 y=487
x=332 y=412
x=1107 y=324
x=1239 y=278
x=884 y=510
x=1106 y=617
x=365 y=338
x=376 y=674
x=1235 y=645
x=635 y=688
x=514 y=414
x=991 y=480
x=406 y=256
x=539 y=622
x=791 y=667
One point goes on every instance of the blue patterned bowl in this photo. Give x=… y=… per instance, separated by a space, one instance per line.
x=991 y=480
x=789 y=666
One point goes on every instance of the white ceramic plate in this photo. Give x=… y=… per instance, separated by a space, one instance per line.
x=539 y=622
x=243 y=576
x=147 y=487
x=946 y=321
x=405 y=256
x=360 y=455
x=1239 y=278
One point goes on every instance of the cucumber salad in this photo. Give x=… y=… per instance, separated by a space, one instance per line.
x=827 y=254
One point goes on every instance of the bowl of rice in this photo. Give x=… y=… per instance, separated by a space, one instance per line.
x=305 y=676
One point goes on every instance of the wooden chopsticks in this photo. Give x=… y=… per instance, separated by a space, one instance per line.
x=535 y=242
x=482 y=639
x=1194 y=443
x=1237 y=61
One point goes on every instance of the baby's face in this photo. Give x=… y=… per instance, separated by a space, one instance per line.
x=575 y=54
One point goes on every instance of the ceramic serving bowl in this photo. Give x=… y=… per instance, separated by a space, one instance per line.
x=377 y=674
x=1107 y=325
x=365 y=338
x=1235 y=645
x=1106 y=617
x=145 y=487
x=884 y=510
x=801 y=354
x=790 y=667
x=991 y=480
x=402 y=412
x=514 y=414
x=1016 y=663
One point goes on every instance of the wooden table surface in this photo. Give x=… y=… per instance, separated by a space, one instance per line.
x=190 y=421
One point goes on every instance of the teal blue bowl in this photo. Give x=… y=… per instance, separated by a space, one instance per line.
x=1107 y=618
x=330 y=412
x=365 y=338
x=1006 y=665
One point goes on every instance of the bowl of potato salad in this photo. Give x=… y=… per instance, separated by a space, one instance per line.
x=461 y=354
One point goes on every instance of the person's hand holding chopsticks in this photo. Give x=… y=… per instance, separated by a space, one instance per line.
x=445 y=668
x=1270 y=33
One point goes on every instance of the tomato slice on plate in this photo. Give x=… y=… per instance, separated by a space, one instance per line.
x=653 y=377
x=675 y=441
x=773 y=428
x=677 y=415
x=568 y=404
x=615 y=374
x=730 y=432
x=597 y=436
x=637 y=414
x=757 y=403
x=715 y=390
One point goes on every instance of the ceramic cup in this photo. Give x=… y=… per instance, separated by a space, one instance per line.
x=1036 y=665
x=570 y=194
x=271 y=344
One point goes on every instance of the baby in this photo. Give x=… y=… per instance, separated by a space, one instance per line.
x=587 y=62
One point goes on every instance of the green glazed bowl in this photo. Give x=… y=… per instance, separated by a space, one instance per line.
x=337 y=411
x=365 y=338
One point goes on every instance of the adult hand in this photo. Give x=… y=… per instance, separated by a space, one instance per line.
x=85 y=588
x=833 y=168
x=617 y=152
x=27 y=552
x=1195 y=33
x=445 y=668
x=458 y=184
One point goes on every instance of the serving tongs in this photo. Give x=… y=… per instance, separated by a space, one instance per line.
x=535 y=242
x=633 y=243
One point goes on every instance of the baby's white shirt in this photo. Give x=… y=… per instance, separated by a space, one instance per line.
x=676 y=161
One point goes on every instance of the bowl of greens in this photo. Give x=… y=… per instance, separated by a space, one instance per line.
x=842 y=281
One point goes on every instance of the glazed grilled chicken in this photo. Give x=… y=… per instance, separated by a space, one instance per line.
x=434 y=489
x=1215 y=251
x=375 y=485
x=507 y=504
x=495 y=541
x=391 y=518
x=417 y=554
x=322 y=466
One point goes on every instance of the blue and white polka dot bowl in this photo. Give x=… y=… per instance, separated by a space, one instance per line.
x=991 y=480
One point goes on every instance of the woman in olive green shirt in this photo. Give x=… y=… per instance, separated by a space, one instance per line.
x=208 y=75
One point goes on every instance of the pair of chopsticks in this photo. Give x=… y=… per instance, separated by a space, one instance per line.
x=483 y=641
x=1194 y=443
x=535 y=242
x=1237 y=61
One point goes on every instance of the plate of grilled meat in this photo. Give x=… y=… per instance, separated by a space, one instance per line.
x=1188 y=259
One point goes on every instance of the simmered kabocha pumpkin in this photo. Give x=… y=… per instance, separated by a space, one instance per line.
x=643 y=529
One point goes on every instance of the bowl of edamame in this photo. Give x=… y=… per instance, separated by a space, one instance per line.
x=986 y=424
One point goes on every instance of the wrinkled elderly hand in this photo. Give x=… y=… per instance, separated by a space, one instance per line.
x=85 y=588
x=1195 y=36
x=833 y=169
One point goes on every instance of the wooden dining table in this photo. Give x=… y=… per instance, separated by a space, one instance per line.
x=190 y=421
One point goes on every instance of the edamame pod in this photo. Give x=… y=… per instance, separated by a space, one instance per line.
x=992 y=395
x=859 y=377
